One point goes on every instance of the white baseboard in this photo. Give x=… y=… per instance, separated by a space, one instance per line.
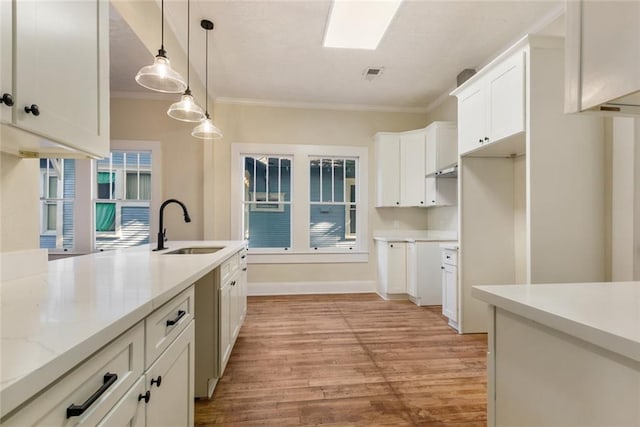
x=303 y=288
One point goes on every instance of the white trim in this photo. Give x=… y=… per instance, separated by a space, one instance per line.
x=280 y=256
x=306 y=288
x=300 y=154
x=318 y=105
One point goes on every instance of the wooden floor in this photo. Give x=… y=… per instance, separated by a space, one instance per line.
x=349 y=360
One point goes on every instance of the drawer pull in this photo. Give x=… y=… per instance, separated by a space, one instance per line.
x=181 y=314
x=233 y=283
x=244 y=269
x=243 y=257
x=146 y=397
x=448 y=257
x=157 y=382
x=75 y=410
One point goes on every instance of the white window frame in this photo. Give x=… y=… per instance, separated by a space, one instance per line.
x=300 y=250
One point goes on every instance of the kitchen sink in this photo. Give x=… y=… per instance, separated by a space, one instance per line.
x=194 y=250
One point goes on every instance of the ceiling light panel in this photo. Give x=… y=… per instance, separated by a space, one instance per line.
x=359 y=24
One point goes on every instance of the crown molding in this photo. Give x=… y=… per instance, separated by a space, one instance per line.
x=318 y=106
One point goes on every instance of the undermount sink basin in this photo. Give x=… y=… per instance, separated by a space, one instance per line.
x=195 y=250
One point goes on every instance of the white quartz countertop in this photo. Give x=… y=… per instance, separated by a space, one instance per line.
x=604 y=314
x=415 y=235
x=52 y=321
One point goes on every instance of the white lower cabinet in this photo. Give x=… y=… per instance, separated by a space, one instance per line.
x=170 y=383
x=113 y=387
x=130 y=410
x=392 y=267
x=450 y=286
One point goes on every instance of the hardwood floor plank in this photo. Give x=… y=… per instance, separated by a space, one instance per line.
x=348 y=360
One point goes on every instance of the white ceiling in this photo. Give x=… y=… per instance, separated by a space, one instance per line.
x=271 y=50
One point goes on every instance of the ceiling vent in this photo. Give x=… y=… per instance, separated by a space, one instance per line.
x=372 y=72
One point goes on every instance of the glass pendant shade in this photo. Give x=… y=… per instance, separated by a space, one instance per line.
x=186 y=109
x=206 y=130
x=161 y=77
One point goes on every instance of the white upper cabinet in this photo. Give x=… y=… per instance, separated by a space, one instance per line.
x=400 y=168
x=602 y=62
x=57 y=72
x=388 y=169
x=441 y=147
x=492 y=104
x=412 y=149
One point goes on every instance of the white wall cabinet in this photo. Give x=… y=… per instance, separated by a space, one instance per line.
x=400 y=169
x=508 y=232
x=441 y=146
x=441 y=191
x=60 y=54
x=602 y=62
x=450 y=286
x=492 y=105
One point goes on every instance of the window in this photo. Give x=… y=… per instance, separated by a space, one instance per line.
x=300 y=203
x=57 y=194
x=106 y=204
x=333 y=210
x=122 y=205
x=267 y=201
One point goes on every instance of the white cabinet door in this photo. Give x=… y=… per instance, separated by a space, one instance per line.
x=505 y=86
x=171 y=394
x=225 y=299
x=6 y=71
x=472 y=118
x=130 y=411
x=431 y=190
x=412 y=269
x=447 y=145
x=235 y=315
x=61 y=64
x=397 y=267
x=431 y=150
x=450 y=292
x=412 y=148
x=388 y=170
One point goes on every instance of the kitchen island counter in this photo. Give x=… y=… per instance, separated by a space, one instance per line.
x=53 y=321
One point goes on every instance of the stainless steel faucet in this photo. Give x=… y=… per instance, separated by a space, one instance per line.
x=162 y=233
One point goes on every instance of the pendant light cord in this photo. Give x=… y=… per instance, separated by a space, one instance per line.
x=162 y=27
x=206 y=74
x=188 y=41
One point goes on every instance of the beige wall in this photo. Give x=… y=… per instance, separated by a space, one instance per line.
x=443 y=218
x=279 y=125
x=182 y=168
x=19 y=202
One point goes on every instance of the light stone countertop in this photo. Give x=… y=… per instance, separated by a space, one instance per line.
x=52 y=321
x=604 y=314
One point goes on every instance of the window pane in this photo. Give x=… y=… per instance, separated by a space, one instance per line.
x=249 y=164
x=53 y=187
x=314 y=180
x=261 y=178
x=350 y=165
x=285 y=179
x=267 y=225
x=132 y=186
x=105 y=216
x=52 y=216
x=338 y=181
x=328 y=227
x=327 y=195
x=273 y=184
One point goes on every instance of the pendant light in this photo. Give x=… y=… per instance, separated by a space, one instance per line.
x=206 y=129
x=186 y=109
x=160 y=76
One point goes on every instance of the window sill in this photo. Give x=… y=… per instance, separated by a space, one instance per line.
x=306 y=257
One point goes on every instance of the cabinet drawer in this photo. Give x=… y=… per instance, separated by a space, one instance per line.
x=166 y=323
x=450 y=256
x=97 y=384
x=229 y=267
